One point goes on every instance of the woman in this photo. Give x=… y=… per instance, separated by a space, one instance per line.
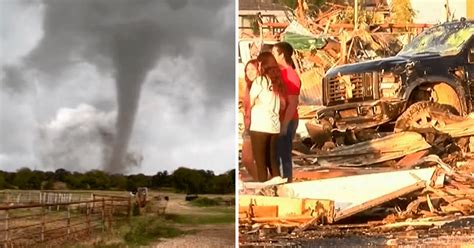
x=266 y=100
x=251 y=73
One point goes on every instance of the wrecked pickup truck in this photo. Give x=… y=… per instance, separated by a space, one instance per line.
x=434 y=72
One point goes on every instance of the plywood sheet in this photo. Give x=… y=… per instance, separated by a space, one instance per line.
x=352 y=191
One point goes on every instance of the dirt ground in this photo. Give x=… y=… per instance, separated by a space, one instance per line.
x=209 y=236
x=456 y=234
x=206 y=235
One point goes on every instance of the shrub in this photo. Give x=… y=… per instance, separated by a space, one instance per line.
x=205 y=202
x=145 y=230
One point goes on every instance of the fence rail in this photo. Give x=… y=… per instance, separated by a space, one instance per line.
x=25 y=224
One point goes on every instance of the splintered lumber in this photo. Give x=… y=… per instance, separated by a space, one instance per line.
x=460 y=126
x=288 y=208
x=409 y=160
x=258 y=211
x=436 y=159
x=390 y=147
x=430 y=221
x=354 y=194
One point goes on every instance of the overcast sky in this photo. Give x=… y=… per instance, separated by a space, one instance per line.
x=66 y=66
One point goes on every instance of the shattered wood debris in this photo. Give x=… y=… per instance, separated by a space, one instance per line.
x=413 y=178
x=418 y=178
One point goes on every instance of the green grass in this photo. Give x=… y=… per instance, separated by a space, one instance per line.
x=206 y=202
x=140 y=231
x=219 y=210
x=200 y=219
x=144 y=230
x=148 y=228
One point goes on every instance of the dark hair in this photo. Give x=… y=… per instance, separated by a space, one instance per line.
x=287 y=50
x=253 y=62
x=269 y=68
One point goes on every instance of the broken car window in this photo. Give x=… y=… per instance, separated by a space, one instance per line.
x=443 y=40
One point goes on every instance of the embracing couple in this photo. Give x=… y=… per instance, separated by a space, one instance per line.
x=271 y=116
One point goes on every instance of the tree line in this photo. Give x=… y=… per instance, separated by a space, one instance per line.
x=182 y=180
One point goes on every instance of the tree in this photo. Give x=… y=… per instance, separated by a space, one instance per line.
x=188 y=180
x=161 y=179
x=3 y=181
x=118 y=182
x=26 y=179
x=136 y=181
x=183 y=180
x=402 y=11
x=61 y=174
x=97 y=179
x=76 y=181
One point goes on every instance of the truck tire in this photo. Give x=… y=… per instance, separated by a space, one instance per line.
x=418 y=115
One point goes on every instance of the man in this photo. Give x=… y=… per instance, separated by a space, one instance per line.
x=283 y=52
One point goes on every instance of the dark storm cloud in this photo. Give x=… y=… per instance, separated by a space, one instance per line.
x=13 y=79
x=125 y=40
x=177 y=4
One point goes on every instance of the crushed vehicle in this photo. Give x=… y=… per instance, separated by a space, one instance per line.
x=434 y=72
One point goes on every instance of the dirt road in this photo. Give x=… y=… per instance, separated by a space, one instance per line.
x=201 y=235
x=210 y=236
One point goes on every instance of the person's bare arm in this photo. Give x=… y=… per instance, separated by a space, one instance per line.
x=247 y=107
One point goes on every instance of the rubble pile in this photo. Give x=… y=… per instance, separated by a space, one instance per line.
x=419 y=178
x=329 y=38
x=360 y=180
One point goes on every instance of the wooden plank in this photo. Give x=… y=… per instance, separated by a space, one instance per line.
x=409 y=160
x=460 y=126
x=377 y=201
x=313 y=208
x=300 y=218
x=390 y=147
x=354 y=194
x=264 y=211
x=430 y=221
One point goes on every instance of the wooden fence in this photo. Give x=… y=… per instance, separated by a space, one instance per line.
x=22 y=197
x=33 y=224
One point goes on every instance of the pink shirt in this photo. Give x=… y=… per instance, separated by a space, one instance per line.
x=292 y=83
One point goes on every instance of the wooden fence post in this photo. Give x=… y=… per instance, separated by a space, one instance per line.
x=129 y=207
x=6 y=228
x=103 y=214
x=43 y=227
x=109 y=219
x=93 y=202
x=49 y=200
x=88 y=220
x=58 y=200
x=68 y=220
x=112 y=209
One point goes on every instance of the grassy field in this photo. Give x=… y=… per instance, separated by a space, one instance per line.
x=183 y=222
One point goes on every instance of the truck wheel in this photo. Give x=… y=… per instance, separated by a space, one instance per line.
x=419 y=115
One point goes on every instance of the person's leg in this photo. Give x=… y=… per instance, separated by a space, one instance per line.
x=274 y=164
x=258 y=140
x=284 y=148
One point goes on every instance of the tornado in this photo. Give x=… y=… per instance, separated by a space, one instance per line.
x=134 y=53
